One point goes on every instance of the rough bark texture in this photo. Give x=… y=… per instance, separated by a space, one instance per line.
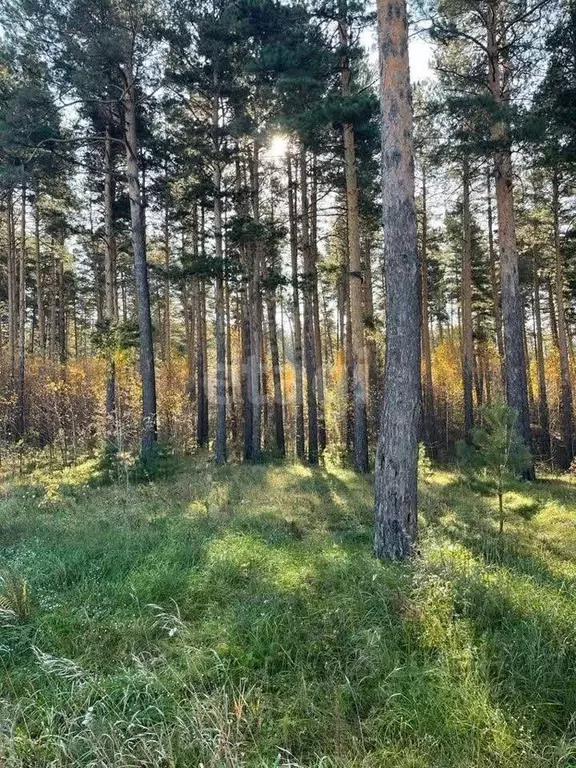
x=563 y=343
x=360 y=424
x=512 y=308
x=147 y=373
x=396 y=478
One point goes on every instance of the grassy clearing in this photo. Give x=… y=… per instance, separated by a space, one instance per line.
x=235 y=617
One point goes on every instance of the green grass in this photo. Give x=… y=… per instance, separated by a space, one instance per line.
x=236 y=617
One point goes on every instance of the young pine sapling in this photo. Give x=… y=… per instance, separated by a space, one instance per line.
x=497 y=448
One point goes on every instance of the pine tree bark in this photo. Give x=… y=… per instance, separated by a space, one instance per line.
x=360 y=423
x=396 y=480
x=12 y=285
x=466 y=304
x=566 y=399
x=110 y=303
x=309 y=357
x=220 y=446
x=371 y=349
x=298 y=377
x=512 y=309
x=147 y=372
x=21 y=377
x=40 y=314
x=316 y=300
x=543 y=410
x=494 y=287
x=255 y=311
x=428 y=388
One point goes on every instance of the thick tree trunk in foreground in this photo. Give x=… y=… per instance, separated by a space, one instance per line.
x=360 y=423
x=147 y=373
x=396 y=478
x=512 y=309
x=563 y=343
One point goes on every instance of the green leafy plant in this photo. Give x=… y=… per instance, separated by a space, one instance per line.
x=497 y=449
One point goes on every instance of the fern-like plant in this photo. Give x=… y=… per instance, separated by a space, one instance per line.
x=15 y=602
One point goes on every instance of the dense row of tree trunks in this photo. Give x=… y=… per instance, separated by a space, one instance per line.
x=396 y=501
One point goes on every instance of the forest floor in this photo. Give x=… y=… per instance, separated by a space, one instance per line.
x=235 y=617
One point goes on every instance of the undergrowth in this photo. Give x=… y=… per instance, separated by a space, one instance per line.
x=235 y=617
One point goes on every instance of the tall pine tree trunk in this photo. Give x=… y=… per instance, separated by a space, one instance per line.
x=21 y=378
x=370 y=340
x=396 y=508
x=543 y=410
x=494 y=287
x=299 y=384
x=512 y=309
x=220 y=445
x=428 y=388
x=255 y=311
x=309 y=356
x=563 y=342
x=147 y=372
x=12 y=285
x=110 y=303
x=355 y=270
x=40 y=314
x=316 y=299
x=466 y=303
